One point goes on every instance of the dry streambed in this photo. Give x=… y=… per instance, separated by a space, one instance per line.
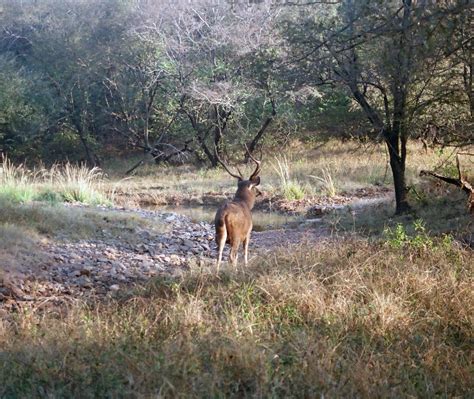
x=106 y=265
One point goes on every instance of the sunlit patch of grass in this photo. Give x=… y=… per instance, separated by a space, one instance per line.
x=75 y=223
x=348 y=319
x=18 y=248
x=290 y=188
x=79 y=184
x=69 y=183
x=344 y=167
x=16 y=182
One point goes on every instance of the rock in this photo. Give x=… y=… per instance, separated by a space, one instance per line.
x=108 y=264
x=188 y=243
x=84 y=282
x=147 y=264
x=85 y=272
x=315 y=211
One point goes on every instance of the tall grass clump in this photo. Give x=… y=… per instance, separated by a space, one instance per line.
x=67 y=182
x=328 y=186
x=16 y=182
x=79 y=183
x=290 y=188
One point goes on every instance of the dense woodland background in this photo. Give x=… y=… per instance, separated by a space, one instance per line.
x=178 y=81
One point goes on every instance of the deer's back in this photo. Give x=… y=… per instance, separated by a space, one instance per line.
x=237 y=219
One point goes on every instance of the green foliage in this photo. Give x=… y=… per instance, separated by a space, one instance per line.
x=398 y=237
x=20 y=114
x=81 y=79
x=293 y=191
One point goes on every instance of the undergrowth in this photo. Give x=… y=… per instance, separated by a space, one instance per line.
x=344 y=319
x=290 y=188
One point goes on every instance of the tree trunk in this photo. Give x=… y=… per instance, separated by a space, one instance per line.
x=397 y=164
x=90 y=158
x=253 y=144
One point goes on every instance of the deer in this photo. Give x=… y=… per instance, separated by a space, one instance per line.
x=233 y=219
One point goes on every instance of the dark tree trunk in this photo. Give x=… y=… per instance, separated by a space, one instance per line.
x=253 y=144
x=398 y=171
x=396 y=141
x=90 y=156
x=210 y=154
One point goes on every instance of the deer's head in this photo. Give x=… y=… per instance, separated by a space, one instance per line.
x=247 y=189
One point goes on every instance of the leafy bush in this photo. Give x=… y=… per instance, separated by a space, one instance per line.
x=398 y=237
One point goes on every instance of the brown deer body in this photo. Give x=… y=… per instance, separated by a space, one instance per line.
x=233 y=219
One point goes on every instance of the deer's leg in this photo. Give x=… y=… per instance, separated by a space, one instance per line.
x=234 y=252
x=221 y=244
x=246 y=249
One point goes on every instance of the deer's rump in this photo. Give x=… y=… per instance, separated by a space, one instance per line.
x=233 y=220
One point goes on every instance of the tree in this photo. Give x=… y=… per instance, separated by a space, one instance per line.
x=386 y=54
x=20 y=115
x=215 y=55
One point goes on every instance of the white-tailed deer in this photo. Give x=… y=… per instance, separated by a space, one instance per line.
x=234 y=218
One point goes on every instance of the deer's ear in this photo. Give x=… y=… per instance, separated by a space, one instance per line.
x=255 y=180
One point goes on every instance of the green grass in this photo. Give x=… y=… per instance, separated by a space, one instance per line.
x=290 y=188
x=344 y=319
x=443 y=210
x=60 y=183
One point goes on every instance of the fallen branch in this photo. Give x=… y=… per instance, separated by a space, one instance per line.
x=460 y=182
x=155 y=155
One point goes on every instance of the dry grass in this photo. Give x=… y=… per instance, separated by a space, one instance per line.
x=352 y=318
x=70 y=223
x=443 y=209
x=290 y=189
x=70 y=183
x=345 y=319
x=343 y=167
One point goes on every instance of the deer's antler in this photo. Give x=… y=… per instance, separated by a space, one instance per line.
x=257 y=168
x=239 y=176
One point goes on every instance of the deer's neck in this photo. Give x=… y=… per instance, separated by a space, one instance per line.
x=246 y=197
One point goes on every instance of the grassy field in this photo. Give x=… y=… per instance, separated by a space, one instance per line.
x=338 y=319
x=329 y=170
x=382 y=308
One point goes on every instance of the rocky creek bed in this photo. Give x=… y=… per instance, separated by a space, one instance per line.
x=92 y=268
